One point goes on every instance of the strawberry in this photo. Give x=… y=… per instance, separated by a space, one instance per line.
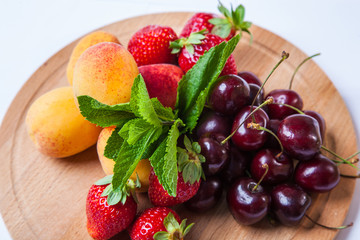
x=159 y=223
x=150 y=45
x=105 y=220
x=188 y=180
x=194 y=46
x=223 y=27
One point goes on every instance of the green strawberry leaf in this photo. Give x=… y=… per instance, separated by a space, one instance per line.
x=141 y=104
x=113 y=144
x=195 y=84
x=218 y=21
x=222 y=30
x=104 y=115
x=105 y=180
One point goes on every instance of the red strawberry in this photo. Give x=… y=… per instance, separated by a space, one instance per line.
x=224 y=27
x=188 y=180
x=198 y=22
x=158 y=223
x=150 y=45
x=194 y=46
x=104 y=220
x=159 y=196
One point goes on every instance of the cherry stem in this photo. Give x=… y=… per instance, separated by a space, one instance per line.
x=262 y=177
x=289 y=106
x=268 y=101
x=298 y=67
x=260 y=128
x=327 y=227
x=284 y=55
x=350 y=176
x=338 y=156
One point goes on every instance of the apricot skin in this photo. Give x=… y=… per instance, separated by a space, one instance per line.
x=106 y=72
x=56 y=126
x=84 y=43
x=142 y=169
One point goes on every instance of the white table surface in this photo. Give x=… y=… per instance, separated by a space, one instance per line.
x=33 y=30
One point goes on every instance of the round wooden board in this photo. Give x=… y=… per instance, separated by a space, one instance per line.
x=44 y=198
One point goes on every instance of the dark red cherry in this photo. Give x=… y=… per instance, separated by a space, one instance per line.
x=320 y=120
x=208 y=195
x=282 y=96
x=238 y=163
x=289 y=203
x=318 y=175
x=300 y=136
x=215 y=153
x=250 y=77
x=247 y=206
x=212 y=122
x=245 y=138
x=280 y=168
x=253 y=91
x=273 y=126
x=229 y=95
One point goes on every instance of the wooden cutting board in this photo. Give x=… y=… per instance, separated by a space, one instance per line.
x=44 y=198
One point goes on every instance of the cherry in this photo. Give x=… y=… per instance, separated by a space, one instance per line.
x=300 y=136
x=208 y=195
x=253 y=91
x=229 y=94
x=280 y=167
x=320 y=120
x=283 y=96
x=215 y=153
x=246 y=203
x=318 y=175
x=289 y=203
x=238 y=163
x=250 y=77
x=212 y=122
x=245 y=138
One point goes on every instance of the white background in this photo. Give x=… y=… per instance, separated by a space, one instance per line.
x=31 y=31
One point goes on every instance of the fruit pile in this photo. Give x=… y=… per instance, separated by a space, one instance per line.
x=172 y=116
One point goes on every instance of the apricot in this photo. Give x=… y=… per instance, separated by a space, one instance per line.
x=142 y=169
x=84 y=43
x=106 y=72
x=56 y=126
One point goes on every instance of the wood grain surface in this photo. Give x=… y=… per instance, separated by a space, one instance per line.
x=44 y=198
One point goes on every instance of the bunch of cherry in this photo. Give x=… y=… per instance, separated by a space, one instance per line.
x=251 y=144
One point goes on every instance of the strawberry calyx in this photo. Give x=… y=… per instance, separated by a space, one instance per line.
x=189 y=161
x=234 y=20
x=194 y=39
x=174 y=230
x=114 y=196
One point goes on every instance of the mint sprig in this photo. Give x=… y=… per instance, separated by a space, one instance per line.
x=147 y=129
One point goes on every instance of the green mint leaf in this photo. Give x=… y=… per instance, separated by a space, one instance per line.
x=104 y=115
x=113 y=144
x=104 y=180
x=135 y=129
x=130 y=155
x=164 y=113
x=195 y=84
x=153 y=146
x=141 y=104
x=164 y=160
